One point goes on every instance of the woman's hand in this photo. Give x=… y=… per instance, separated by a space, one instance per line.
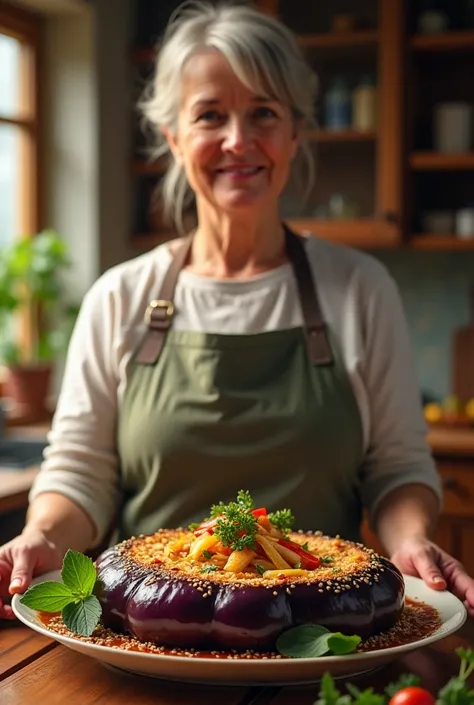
x=21 y=559
x=424 y=559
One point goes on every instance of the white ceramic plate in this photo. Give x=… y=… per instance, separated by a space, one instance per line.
x=261 y=672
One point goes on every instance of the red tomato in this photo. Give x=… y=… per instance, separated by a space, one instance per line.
x=412 y=695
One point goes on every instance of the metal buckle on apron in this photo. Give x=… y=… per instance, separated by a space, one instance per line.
x=159 y=312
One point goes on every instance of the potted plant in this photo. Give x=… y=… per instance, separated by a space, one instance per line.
x=36 y=319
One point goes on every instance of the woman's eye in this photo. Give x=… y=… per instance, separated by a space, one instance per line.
x=209 y=116
x=264 y=113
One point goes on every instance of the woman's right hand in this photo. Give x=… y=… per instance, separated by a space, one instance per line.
x=21 y=559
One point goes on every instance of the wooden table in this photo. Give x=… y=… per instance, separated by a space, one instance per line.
x=35 y=670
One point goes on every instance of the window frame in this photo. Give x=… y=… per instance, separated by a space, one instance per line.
x=26 y=27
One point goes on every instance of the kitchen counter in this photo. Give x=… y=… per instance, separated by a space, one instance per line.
x=451 y=441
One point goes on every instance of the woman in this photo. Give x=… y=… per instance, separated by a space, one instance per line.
x=266 y=361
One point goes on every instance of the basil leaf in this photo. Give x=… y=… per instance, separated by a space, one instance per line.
x=305 y=641
x=49 y=596
x=78 y=573
x=82 y=616
x=341 y=644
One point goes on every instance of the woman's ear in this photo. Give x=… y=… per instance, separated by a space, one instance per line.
x=173 y=145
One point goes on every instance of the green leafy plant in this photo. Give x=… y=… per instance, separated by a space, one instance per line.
x=30 y=283
x=405 y=690
x=313 y=640
x=74 y=597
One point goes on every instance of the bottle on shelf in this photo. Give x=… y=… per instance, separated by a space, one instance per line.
x=364 y=105
x=337 y=105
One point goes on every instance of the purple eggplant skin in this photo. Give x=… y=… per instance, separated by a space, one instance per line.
x=364 y=609
x=158 y=606
x=115 y=585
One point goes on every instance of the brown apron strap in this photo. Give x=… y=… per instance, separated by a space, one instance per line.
x=319 y=350
x=159 y=313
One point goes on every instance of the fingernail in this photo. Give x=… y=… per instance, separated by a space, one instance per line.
x=15 y=583
x=438 y=579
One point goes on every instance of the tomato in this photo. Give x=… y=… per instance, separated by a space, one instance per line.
x=412 y=695
x=261 y=512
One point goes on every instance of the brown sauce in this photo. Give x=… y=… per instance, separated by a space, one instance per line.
x=417 y=621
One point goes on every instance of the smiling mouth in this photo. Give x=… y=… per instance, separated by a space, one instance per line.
x=241 y=171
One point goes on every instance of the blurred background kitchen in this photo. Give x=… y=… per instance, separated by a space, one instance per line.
x=394 y=151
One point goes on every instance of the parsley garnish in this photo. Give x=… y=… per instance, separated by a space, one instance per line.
x=209 y=569
x=326 y=559
x=236 y=527
x=207 y=554
x=305 y=546
x=259 y=569
x=193 y=527
x=245 y=500
x=283 y=519
x=297 y=565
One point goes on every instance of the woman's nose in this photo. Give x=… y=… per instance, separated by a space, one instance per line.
x=237 y=136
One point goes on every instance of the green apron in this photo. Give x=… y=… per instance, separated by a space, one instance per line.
x=205 y=415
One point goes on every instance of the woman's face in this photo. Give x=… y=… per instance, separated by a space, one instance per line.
x=235 y=146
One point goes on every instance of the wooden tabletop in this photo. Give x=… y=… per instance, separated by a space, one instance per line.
x=34 y=670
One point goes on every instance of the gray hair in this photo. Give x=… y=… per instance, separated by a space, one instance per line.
x=262 y=52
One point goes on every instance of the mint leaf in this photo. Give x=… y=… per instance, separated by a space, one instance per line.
x=305 y=641
x=340 y=644
x=82 y=616
x=78 y=573
x=49 y=596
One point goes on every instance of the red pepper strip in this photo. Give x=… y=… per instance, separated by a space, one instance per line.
x=262 y=512
x=308 y=561
x=206 y=526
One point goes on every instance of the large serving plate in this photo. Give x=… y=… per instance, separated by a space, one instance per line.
x=255 y=672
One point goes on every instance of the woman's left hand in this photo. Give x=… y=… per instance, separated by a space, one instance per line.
x=424 y=559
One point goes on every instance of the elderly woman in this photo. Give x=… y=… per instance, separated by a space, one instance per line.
x=242 y=355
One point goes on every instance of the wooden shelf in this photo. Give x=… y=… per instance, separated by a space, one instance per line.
x=361 y=232
x=323 y=135
x=428 y=161
x=440 y=243
x=446 y=41
x=366 y=37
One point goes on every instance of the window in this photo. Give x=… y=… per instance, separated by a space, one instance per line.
x=19 y=123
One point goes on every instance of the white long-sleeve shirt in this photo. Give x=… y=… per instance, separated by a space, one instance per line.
x=360 y=304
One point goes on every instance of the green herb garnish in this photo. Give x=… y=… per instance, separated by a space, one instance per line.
x=297 y=566
x=305 y=546
x=312 y=641
x=207 y=554
x=259 y=569
x=283 y=519
x=245 y=500
x=236 y=527
x=326 y=559
x=209 y=569
x=457 y=691
x=74 y=598
x=193 y=527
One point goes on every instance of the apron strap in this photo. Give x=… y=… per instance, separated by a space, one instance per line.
x=159 y=313
x=317 y=343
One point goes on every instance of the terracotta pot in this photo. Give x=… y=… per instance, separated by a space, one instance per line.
x=28 y=386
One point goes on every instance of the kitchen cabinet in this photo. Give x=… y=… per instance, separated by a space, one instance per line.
x=390 y=177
